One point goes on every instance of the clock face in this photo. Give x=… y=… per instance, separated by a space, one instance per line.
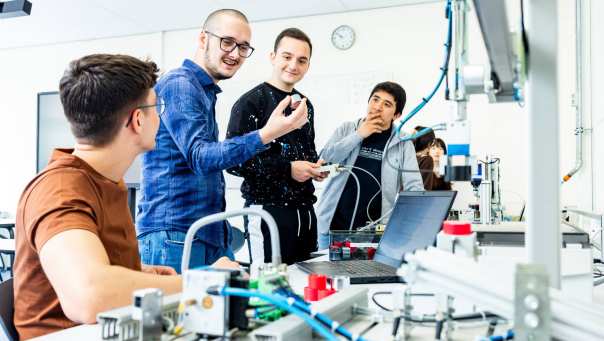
x=342 y=37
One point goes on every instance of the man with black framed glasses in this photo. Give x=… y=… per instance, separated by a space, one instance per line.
x=182 y=177
x=76 y=247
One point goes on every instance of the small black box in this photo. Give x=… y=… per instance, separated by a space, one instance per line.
x=14 y=8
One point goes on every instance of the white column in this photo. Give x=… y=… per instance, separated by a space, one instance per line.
x=543 y=209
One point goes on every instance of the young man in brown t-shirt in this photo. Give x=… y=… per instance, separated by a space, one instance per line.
x=76 y=248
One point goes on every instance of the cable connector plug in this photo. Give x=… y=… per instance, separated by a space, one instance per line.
x=332 y=168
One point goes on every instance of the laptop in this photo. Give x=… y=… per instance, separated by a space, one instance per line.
x=416 y=219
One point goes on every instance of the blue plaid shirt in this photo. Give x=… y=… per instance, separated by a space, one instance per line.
x=182 y=178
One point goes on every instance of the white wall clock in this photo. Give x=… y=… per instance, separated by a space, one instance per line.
x=343 y=37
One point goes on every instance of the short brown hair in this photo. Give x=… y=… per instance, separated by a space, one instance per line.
x=97 y=90
x=294 y=33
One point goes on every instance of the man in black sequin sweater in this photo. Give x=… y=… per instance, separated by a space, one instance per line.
x=279 y=179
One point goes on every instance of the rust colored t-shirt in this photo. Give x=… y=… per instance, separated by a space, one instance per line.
x=68 y=194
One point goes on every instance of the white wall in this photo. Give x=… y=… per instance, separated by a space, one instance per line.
x=23 y=74
x=404 y=44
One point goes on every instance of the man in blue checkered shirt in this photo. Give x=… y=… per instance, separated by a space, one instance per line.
x=182 y=177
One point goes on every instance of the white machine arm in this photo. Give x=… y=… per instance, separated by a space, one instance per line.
x=493 y=21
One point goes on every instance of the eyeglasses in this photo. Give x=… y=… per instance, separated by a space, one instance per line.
x=229 y=44
x=160 y=106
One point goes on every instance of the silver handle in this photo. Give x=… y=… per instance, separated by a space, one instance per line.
x=212 y=218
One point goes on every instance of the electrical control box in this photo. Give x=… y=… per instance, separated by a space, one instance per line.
x=212 y=315
x=204 y=313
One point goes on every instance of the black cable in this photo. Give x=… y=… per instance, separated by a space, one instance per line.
x=522 y=212
x=377 y=293
x=491 y=328
x=466 y=317
x=364 y=331
x=247 y=237
x=427 y=294
x=438 y=330
x=495 y=160
x=524 y=37
x=473 y=316
x=462 y=317
x=379 y=305
x=395 y=325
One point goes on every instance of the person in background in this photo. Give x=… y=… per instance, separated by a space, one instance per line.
x=182 y=177
x=279 y=180
x=429 y=150
x=438 y=148
x=424 y=160
x=362 y=144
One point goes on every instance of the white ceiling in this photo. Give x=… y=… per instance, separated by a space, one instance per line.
x=56 y=21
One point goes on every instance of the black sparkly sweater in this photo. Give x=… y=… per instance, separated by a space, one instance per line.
x=267 y=176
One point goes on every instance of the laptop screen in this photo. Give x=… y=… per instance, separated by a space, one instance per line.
x=416 y=219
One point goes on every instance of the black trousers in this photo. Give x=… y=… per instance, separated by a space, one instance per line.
x=297 y=233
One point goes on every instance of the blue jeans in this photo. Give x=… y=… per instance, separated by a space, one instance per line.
x=323 y=239
x=165 y=248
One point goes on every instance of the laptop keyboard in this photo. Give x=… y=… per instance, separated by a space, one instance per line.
x=368 y=268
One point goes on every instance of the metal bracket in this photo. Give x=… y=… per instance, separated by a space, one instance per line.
x=118 y=324
x=147 y=309
x=532 y=315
